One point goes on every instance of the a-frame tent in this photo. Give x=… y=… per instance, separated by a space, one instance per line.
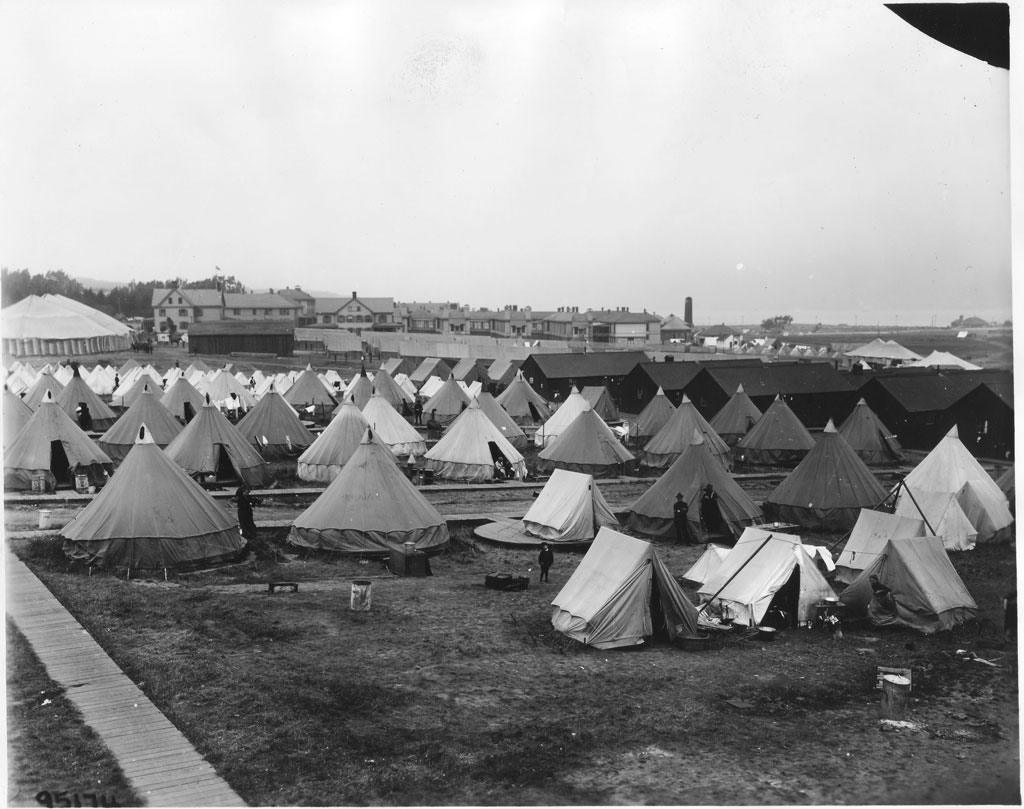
x=607 y=602
x=430 y=366
x=211 y=446
x=52 y=445
x=179 y=393
x=370 y=506
x=332 y=449
x=950 y=467
x=652 y=513
x=587 y=445
x=470 y=447
x=77 y=392
x=930 y=596
x=274 y=428
x=512 y=431
x=570 y=508
x=151 y=515
x=601 y=402
x=704 y=568
x=827 y=489
x=672 y=440
x=736 y=417
x=869 y=537
x=652 y=418
x=761 y=566
x=523 y=404
x=162 y=427
x=391 y=429
x=778 y=439
x=873 y=442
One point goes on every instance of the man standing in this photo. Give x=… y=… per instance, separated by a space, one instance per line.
x=681 y=520
x=417 y=411
x=545 y=559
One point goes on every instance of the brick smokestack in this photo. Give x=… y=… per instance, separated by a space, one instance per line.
x=688 y=312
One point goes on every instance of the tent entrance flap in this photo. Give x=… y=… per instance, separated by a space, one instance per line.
x=60 y=466
x=786 y=602
x=497 y=454
x=223 y=468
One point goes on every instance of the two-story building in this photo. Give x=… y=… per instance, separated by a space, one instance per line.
x=357 y=314
x=619 y=327
x=307 y=314
x=180 y=308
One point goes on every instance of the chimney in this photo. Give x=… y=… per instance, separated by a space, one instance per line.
x=354 y=296
x=688 y=311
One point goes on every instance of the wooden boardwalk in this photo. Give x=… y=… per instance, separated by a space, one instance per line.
x=160 y=763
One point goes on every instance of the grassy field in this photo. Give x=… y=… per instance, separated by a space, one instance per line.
x=447 y=693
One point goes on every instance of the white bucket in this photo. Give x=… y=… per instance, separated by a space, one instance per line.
x=44 y=518
x=361 y=595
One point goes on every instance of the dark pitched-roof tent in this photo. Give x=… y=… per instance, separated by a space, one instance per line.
x=242 y=336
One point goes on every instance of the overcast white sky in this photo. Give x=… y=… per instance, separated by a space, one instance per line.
x=823 y=159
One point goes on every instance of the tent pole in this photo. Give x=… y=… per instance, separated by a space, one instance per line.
x=914 y=501
x=734 y=575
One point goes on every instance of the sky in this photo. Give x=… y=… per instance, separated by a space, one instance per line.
x=824 y=160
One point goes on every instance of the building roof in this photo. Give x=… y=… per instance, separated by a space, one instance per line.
x=670 y=375
x=623 y=316
x=581 y=366
x=329 y=306
x=759 y=379
x=720 y=330
x=257 y=300
x=241 y=327
x=295 y=294
x=922 y=393
x=675 y=323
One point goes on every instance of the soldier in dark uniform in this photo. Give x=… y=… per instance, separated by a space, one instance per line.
x=681 y=520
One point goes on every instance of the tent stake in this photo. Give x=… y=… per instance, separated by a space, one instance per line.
x=733 y=576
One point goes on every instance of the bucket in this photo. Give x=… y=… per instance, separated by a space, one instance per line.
x=44 y=518
x=409 y=547
x=895 y=696
x=81 y=483
x=766 y=633
x=361 y=595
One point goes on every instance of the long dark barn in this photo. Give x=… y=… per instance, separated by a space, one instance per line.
x=242 y=337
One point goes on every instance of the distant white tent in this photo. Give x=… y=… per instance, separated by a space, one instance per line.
x=391 y=429
x=52 y=325
x=607 y=602
x=943 y=359
x=573 y=405
x=943 y=517
x=705 y=567
x=470 y=448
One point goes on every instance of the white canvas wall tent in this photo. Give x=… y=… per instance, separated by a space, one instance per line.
x=587 y=445
x=607 y=602
x=403 y=381
x=17 y=384
x=523 y=404
x=1005 y=483
x=52 y=446
x=827 y=489
x=369 y=507
x=672 y=440
x=470 y=447
x=696 y=469
x=36 y=393
x=16 y=416
x=873 y=442
x=274 y=428
x=869 y=537
x=152 y=515
x=948 y=468
x=765 y=567
x=570 y=508
x=162 y=427
x=447 y=403
x=63 y=374
x=77 y=393
x=431 y=366
x=392 y=430
x=512 y=431
x=393 y=393
x=560 y=420
x=652 y=418
x=943 y=359
x=601 y=402
x=331 y=450
x=929 y=594
x=211 y=446
x=778 y=439
x=101 y=380
x=736 y=417
x=178 y=394
x=705 y=567
x=472 y=389
x=127 y=394
x=942 y=516
x=430 y=387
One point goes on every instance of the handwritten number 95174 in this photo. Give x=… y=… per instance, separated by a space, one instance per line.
x=68 y=799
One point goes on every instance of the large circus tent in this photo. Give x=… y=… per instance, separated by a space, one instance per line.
x=55 y=326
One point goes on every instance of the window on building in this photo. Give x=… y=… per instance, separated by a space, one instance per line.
x=236 y=311
x=198 y=312
x=285 y=311
x=182 y=312
x=268 y=311
x=327 y=319
x=254 y=311
x=182 y=324
x=163 y=313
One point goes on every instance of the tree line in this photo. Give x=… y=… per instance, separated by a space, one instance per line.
x=134 y=299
